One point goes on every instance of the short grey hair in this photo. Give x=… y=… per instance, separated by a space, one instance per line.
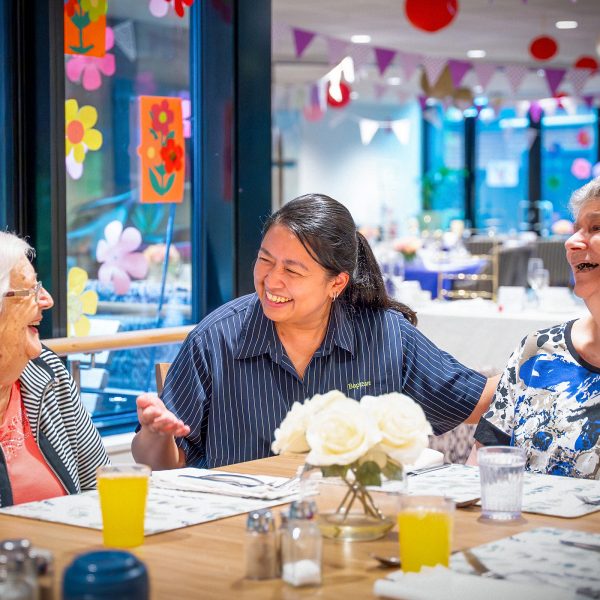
x=12 y=250
x=579 y=198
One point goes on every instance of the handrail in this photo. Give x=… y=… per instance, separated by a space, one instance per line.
x=118 y=341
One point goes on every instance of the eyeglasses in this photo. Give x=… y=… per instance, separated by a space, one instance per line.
x=35 y=290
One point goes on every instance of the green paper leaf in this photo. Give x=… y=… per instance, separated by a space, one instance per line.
x=393 y=470
x=160 y=169
x=154 y=181
x=81 y=21
x=169 y=183
x=369 y=473
x=170 y=135
x=154 y=134
x=334 y=470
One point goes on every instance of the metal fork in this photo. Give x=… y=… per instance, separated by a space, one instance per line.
x=480 y=568
x=244 y=480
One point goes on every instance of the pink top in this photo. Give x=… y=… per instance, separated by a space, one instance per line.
x=30 y=476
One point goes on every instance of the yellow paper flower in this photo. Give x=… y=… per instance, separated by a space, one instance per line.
x=79 y=303
x=79 y=133
x=95 y=8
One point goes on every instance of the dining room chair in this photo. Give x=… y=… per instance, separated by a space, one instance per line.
x=465 y=286
x=160 y=370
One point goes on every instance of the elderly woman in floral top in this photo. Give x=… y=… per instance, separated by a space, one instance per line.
x=48 y=444
x=548 y=399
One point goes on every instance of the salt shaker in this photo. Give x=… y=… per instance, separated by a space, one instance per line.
x=14 y=583
x=302 y=545
x=19 y=552
x=262 y=561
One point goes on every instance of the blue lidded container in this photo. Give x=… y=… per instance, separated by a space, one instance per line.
x=106 y=574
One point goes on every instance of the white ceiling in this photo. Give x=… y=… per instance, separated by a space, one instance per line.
x=503 y=28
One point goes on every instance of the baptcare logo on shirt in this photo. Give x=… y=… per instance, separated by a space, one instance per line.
x=358 y=385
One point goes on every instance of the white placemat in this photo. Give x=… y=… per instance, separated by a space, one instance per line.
x=543 y=494
x=166 y=509
x=539 y=556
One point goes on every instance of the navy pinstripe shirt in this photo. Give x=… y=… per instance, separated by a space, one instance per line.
x=233 y=383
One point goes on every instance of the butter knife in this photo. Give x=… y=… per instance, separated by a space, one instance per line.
x=582 y=545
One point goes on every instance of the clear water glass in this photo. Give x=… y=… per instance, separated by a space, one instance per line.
x=501 y=475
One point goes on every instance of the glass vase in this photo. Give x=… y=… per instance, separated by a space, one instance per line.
x=350 y=511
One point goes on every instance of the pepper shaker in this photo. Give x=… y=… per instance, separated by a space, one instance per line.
x=262 y=561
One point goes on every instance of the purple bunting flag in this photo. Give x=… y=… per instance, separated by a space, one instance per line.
x=433 y=67
x=409 y=62
x=384 y=58
x=458 y=70
x=515 y=75
x=302 y=38
x=336 y=50
x=554 y=78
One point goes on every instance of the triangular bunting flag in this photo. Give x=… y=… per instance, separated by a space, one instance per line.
x=125 y=39
x=384 y=58
x=380 y=89
x=361 y=54
x=484 y=72
x=336 y=50
x=578 y=78
x=458 y=70
x=554 y=78
x=535 y=111
x=433 y=67
x=409 y=62
x=401 y=130
x=302 y=38
x=368 y=129
x=279 y=32
x=422 y=102
x=515 y=75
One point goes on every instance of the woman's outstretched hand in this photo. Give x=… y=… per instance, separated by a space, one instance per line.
x=154 y=416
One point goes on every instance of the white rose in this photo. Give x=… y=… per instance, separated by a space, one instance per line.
x=290 y=436
x=402 y=424
x=320 y=402
x=340 y=434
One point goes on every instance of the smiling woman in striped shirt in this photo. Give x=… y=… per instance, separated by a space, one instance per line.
x=320 y=319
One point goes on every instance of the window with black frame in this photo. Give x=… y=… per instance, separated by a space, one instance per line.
x=128 y=187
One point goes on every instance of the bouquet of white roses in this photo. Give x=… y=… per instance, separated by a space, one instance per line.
x=357 y=441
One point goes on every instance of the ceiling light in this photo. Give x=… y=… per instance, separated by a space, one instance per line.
x=394 y=80
x=476 y=53
x=360 y=39
x=566 y=24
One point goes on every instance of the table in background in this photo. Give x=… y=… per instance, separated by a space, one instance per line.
x=207 y=561
x=477 y=334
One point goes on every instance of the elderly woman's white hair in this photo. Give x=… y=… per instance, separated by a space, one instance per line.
x=12 y=250
x=590 y=191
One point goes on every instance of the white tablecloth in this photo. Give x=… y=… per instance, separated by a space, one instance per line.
x=477 y=334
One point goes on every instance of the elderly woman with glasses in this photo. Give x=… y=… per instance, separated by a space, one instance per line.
x=48 y=444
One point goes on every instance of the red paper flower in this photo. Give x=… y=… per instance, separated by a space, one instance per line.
x=70 y=7
x=178 y=5
x=162 y=117
x=171 y=154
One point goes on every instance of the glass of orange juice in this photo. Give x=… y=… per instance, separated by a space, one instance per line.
x=123 y=490
x=425 y=531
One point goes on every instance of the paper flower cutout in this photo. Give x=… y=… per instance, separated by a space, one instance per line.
x=88 y=69
x=159 y=8
x=120 y=261
x=94 y=8
x=70 y=7
x=79 y=303
x=79 y=133
x=186 y=113
x=171 y=153
x=581 y=168
x=162 y=117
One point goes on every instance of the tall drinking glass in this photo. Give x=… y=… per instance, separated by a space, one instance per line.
x=425 y=531
x=123 y=490
x=501 y=475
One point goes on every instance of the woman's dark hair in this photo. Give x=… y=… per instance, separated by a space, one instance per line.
x=326 y=229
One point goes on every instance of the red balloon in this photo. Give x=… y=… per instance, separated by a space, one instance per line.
x=431 y=15
x=586 y=62
x=334 y=102
x=543 y=47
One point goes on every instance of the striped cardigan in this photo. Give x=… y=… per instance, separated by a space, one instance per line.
x=60 y=425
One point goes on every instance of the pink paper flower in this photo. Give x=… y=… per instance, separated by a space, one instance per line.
x=158 y=8
x=581 y=168
x=121 y=262
x=88 y=69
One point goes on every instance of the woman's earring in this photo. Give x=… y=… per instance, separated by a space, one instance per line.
x=335 y=296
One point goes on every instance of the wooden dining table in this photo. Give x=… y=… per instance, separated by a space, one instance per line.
x=207 y=560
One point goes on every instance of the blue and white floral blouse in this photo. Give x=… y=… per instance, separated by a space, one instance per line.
x=548 y=401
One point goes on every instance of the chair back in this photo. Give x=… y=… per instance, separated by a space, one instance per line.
x=464 y=286
x=160 y=370
x=552 y=252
